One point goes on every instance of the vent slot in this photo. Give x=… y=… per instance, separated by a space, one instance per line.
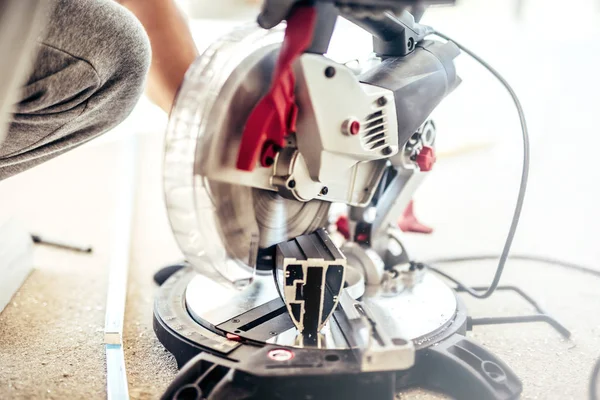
x=376 y=138
x=374 y=134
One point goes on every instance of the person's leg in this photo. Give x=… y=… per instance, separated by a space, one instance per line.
x=88 y=75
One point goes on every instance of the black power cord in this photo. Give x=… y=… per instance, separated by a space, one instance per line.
x=518 y=257
x=595 y=377
x=504 y=256
x=524 y=175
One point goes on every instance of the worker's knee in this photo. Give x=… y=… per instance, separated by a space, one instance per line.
x=122 y=59
x=89 y=74
x=113 y=42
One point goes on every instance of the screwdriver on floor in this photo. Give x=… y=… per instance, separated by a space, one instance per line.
x=38 y=239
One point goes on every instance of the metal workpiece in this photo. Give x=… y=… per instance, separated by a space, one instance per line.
x=313 y=275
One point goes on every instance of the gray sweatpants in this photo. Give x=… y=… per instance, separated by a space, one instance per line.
x=87 y=77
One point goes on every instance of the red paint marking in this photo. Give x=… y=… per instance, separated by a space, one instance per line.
x=233 y=337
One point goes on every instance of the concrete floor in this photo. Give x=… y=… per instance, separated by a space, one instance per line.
x=51 y=334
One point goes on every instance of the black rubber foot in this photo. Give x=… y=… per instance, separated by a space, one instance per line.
x=165 y=273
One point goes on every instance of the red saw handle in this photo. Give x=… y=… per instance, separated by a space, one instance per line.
x=274 y=117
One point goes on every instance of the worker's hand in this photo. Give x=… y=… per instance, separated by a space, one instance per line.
x=173 y=49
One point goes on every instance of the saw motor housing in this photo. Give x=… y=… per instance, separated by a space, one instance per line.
x=349 y=127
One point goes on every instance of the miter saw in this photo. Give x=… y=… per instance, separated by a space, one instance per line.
x=288 y=177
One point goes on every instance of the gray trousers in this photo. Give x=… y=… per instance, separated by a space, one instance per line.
x=88 y=75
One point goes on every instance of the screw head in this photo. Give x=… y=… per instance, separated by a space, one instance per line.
x=330 y=72
x=382 y=101
x=325 y=190
x=386 y=151
x=292 y=184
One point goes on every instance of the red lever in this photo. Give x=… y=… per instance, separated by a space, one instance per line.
x=409 y=222
x=343 y=226
x=274 y=117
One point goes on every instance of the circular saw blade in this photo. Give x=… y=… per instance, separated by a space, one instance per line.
x=280 y=219
x=221 y=225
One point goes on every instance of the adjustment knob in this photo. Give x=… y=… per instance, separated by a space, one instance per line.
x=426 y=158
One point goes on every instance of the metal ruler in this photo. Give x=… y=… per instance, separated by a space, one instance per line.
x=116 y=375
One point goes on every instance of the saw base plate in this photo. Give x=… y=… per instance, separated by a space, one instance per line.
x=242 y=346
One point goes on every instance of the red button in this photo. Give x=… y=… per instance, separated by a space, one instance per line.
x=354 y=128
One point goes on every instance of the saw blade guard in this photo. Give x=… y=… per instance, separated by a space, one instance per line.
x=210 y=220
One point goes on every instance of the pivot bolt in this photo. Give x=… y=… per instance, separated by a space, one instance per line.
x=351 y=127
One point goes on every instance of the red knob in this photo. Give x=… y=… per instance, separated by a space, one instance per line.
x=343 y=226
x=426 y=158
